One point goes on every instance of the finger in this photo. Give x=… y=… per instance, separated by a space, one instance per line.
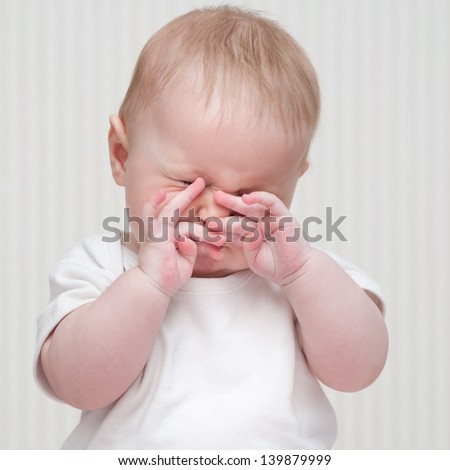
x=231 y=223
x=268 y=200
x=199 y=233
x=237 y=204
x=247 y=227
x=183 y=199
x=237 y=229
x=149 y=211
x=188 y=249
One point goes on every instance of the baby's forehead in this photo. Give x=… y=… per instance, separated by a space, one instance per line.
x=241 y=107
x=185 y=123
x=235 y=136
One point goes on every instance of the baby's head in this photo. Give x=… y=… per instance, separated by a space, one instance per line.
x=231 y=55
x=220 y=93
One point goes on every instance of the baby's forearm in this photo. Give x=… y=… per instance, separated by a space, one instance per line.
x=343 y=333
x=98 y=350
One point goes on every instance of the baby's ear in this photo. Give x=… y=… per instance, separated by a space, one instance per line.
x=118 y=149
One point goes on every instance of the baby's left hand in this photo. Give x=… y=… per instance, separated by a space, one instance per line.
x=270 y=236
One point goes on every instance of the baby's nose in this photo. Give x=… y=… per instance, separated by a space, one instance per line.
x=206 y=207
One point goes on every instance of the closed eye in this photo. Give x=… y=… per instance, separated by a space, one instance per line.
x=239 y=193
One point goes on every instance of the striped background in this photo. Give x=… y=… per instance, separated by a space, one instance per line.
x=381 y=158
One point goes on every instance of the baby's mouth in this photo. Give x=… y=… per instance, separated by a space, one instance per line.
x=213 y=252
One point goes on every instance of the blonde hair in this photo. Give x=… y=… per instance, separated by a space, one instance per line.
x=230 y=50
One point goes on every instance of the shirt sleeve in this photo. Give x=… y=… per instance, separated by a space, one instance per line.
x=79 y=278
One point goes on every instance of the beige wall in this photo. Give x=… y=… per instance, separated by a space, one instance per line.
x=380 y=157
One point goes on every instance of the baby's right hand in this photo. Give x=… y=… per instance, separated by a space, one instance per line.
x=168 y=253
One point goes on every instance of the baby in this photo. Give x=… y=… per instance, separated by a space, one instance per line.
x=210 y=325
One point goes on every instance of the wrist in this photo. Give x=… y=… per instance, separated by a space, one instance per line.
x=152 y=283
x=302 y=265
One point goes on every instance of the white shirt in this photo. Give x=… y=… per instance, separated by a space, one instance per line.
x=226 y=370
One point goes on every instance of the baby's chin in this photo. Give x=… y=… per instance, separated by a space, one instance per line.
x=205 y=266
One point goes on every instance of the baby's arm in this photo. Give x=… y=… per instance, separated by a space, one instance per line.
x=343 y=333
x=98 y=350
